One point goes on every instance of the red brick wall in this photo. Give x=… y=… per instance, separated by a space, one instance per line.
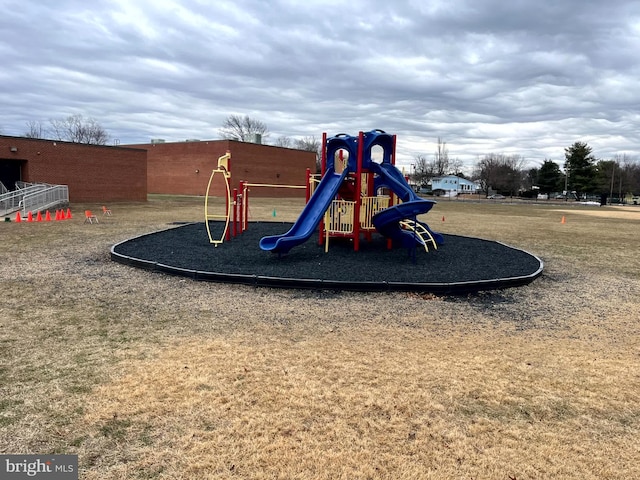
x=184 y=168
x=271 y=165
x=181 y=168
x=93 y=173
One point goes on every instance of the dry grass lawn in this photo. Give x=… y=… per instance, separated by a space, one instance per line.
x=150 y=376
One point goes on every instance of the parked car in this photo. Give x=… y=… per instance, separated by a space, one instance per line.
x=635 y=199
x=496 y=197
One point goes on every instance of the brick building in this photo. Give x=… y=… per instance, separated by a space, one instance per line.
x=184 y=168
x=93 y=173
x=96 y=173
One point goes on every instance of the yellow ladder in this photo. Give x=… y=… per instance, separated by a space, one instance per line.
x=421 y=231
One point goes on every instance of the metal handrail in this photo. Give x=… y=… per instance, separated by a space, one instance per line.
x=11 y=201
x=30 y=197
x=46 y=198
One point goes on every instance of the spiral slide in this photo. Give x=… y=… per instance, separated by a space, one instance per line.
x=309 y=218
x=387 y=222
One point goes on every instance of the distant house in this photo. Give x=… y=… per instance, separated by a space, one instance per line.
x=451 y=185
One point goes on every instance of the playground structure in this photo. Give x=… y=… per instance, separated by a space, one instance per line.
x=359 y=192
x=356 y=195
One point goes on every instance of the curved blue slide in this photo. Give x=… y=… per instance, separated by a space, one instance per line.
x=309 y=218
x=387 y=222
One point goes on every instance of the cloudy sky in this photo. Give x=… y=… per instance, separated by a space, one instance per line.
x=487 y=76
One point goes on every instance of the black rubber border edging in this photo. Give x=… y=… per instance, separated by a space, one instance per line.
x=451 y=288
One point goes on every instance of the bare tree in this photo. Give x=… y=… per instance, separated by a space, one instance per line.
x=500 y=172
x=423 y=170
x=77 y=129
x=284 y=141
x=455 y=167
x=236 y=127
x=35 y=129
x=311 y=144
x=625 y=178
x=632 y=176
x=441 y=159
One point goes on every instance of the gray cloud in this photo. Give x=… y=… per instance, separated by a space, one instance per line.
x=487 y=76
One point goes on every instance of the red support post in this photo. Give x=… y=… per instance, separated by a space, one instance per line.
x=393 y=150
x=323 y=162
x=393 y=162
x=358 y=196
x=323 y=168
x=227 y=235
x=245 y=203
x=235 y=212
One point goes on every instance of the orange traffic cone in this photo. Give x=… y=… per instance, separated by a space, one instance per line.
x=18 y=217
x=47 y=216
x=68 y=214
x=39 y=217
x=563 y=221
x=29 y=217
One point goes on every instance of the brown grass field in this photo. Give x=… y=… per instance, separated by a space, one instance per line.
x=147 y=376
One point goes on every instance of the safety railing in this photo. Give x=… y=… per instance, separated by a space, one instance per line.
x=33 y=197
x=339 y=217
x=314 y=181
x=20 y=185
x=49 y=197
x=369 y=207
x=11 y=201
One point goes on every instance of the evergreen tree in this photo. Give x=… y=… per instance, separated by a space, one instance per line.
x=608 y=175
x=550 y=179
x=580 y=167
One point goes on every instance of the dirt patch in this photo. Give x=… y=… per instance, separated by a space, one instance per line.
x=618 y=213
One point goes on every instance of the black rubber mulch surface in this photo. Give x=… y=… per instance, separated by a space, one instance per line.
x=460 y=265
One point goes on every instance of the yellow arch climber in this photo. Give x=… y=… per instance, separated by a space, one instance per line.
x=223 y=169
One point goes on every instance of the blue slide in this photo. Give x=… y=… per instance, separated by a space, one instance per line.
x=309 y=218
x=387 y=222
